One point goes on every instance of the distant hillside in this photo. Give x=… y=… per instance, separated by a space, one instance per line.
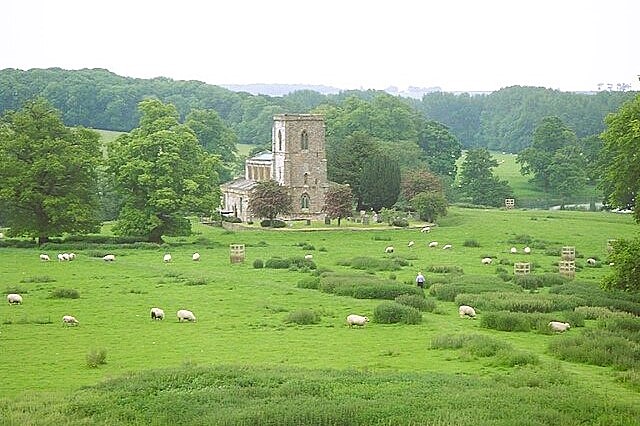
x=279 y=89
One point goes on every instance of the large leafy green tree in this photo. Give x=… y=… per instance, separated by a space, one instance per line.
x=430 y=205
x=338 y=202
x=478 y=182
x=417 y=181
x=379 y=182
x=441 y=148
x=48 y=182
x=621 y=179
x=163 y=173
x=625 y=275
x=549 y=137
x=269 y=199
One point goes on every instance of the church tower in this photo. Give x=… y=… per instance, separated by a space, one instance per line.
x=299 y=161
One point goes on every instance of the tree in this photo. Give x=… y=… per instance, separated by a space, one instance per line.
x=478 y=182
x=625 y=274
x=567 y=172
x=417 y=181
x=441 y=148
x=338 y=202
x=430 y=205
x=379 y=182
x=216 y=138
x=550 y=136
x=622 y=172
x=163 y=173
x=48 y=173
x=346 y=158
x=269 y=199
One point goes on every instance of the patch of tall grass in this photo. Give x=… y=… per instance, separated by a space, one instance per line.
x=518 y=302
x=597 y=347
x=367 y=263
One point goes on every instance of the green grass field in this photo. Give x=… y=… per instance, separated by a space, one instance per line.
x=242 y=363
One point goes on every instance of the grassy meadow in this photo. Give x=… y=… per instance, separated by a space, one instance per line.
x=248 y=360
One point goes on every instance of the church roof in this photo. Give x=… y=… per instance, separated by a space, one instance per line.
x=240 y=184
x=263 y=156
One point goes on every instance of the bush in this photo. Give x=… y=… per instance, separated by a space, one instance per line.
x=471 y=243
x=400 y=222
x=308 y=247
x=393 y=312
x=445 y=269
x=197 y=281
x=416 y=301
x=275 y=223
x=505 y=321
x=277 y=263
x=258 y=264
x=64 y=293
x=375 y=264
x=309 y=282
x=303 y=317
x=597 y=347
x=511 y=358
x=96 y=357
x=518 y=302
x=532 y=282
x=594 y=312
x=38 y=279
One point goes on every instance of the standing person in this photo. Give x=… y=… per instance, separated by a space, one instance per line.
x=420 y=280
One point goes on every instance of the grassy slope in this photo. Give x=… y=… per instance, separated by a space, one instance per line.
x=241 y=310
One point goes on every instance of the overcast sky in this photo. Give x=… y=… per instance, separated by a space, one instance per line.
x=458 y=45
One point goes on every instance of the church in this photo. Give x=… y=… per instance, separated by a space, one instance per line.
x=297 y=161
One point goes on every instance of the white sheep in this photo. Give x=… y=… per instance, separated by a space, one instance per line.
x=591 y=261
x=357 y=320
x=167 y=257
x=433 y=244
x=411 y=243
x=465 y=310
x=447 y=247
x=157 y=314
x=426 y=229
x=388 y=249
x=514 y=250
x=45 y=257
x=69 y=320
x=14 y=299
x=487 y=260
x=72 y=256
x=195 y=257
x=559 y=326
x=527 y=250
x=308 y=256
x=61 y=257
x=109 y=258
x=185 y=315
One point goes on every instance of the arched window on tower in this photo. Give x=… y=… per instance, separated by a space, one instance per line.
x=279 y=140
x=304 y=201
x=305 y=178
x=304 y=140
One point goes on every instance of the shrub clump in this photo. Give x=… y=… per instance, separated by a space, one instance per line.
x=519 y=302
x=275 y=223
x=417 y=301
x=532 y=282
x=309 y=282
x=471 y=243
x=64 y=293
x=96 y=357
x=303 y=317
x=374 y=264
x=258 y=264
x=38 y=279
x=484 y=346
x=393 y=312
x=597 y=347
x=445 y=269
x=277 y=263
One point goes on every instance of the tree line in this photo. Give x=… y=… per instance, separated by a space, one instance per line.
x=503 y=120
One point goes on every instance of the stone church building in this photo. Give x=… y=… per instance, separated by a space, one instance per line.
x=297 y=161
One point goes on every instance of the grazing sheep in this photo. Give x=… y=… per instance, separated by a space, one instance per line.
x=14 y=299
x=433 y=244
x=185 y=315
x=411 y=243
x=72 y=256
x=426 y=229
x=157 y=314
x=69 y=320
x=527 y=250
x=196 y=257
x=447 y=247
x=611 y=264
x=591 y=261
x=388 y=249
x=45 y=257
x=61 y=257
x=465 y=310
x=167 y=257
x=109 y=258
x=357 y=320
x=487 y=260
x=514 y=250
x=308 y=256
x=559 y=326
